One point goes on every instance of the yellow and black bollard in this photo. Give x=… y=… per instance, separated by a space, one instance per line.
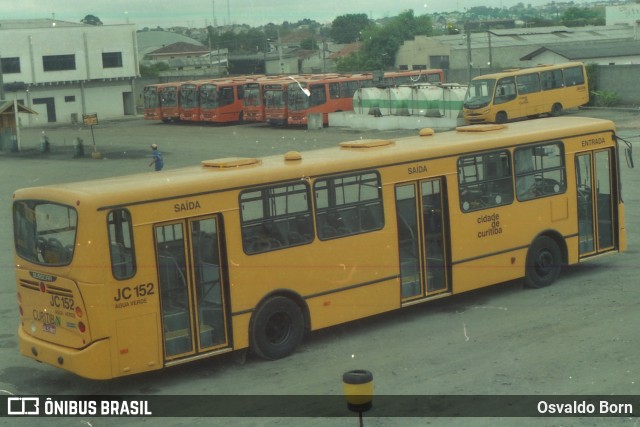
x=358 y=390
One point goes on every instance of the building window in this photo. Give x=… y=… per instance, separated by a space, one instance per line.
x=111 y=59
x=59 y=62
x=10 y=65
x=70 y=98
x=439 y=61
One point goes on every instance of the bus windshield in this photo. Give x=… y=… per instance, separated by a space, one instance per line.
x=298 y=100
x=45 y=232
x=150 y=97
x=170 y=97
x=273 y=99
x=208 y=96
x=188 y=96
x=252 y=96
x=479 y=93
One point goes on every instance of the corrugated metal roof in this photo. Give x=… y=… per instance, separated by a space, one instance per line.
x=25 y=24
x=593 y=50
x=539 y=36
x=180 y=48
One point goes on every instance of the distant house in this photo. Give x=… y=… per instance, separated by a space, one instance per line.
x=190 y=59
x=178 y=50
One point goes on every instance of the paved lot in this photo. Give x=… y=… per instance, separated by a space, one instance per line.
x=579 y=336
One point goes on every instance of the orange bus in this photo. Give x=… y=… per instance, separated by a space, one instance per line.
x=138 y=273
x=222 y=101
x=394 y=78
x=254 y=97
x=335 y=93
x=190 y=101
x=151 y=102
x=322 y=94
x=170 y=101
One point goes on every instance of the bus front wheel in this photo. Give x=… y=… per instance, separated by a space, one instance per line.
x=543 y=263
x=556 y=110
x=501 y=117
x=277 y=328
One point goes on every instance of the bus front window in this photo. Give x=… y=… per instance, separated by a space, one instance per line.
x=273 y=99
x=208 y=97
x=150 y=98
x=252 y=96
x=298 y=100
x=44 y=232
x=188 y=97
x=479 y=93
x=170 y=97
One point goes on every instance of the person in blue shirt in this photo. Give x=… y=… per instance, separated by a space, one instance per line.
x=157 y=157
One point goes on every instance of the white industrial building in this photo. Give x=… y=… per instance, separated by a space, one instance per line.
x=64 y=70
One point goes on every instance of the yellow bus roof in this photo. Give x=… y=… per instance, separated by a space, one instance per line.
x=535 y=69
x=236 y=173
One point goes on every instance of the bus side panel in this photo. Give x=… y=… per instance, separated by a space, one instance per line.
x=240 y=324
x=622 y=239
x=141 y=351
x=333 y=269
x=364 y=301
x=488 y=271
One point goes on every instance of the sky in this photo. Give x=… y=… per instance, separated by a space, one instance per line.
x=199 y=13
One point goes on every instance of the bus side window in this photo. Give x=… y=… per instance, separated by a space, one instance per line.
x=485 y=180
x=348 y=205
x=540 y=171
x=318 y=95
x=505 y=90
x=334 y=90
x=276 y=218
x=573 y=76
x=123 y=260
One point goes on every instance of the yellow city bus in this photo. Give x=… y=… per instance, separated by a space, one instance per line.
x=138 y=273
x=527 y=92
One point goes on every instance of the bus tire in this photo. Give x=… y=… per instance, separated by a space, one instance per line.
x=501 y=117
x=543 y=264
x=556 y=110
x=276 y=328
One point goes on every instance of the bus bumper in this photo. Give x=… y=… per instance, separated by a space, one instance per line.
x=475 y=116
x=92 y=362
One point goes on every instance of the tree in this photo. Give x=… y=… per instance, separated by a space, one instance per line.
x=380 y=44
x=91 y=20
x=347 y=28
x=581 y=16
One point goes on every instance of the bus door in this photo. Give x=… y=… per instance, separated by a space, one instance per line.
x=190 y=277
x=596 y=205
x=421 y=211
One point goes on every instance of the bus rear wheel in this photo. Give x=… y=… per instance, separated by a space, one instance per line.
x=556 y=110
x=543 y=264
x=501 y=117
x=277 y=328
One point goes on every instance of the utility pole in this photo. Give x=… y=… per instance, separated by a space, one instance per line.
x=1 y=81
x=469 y=58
